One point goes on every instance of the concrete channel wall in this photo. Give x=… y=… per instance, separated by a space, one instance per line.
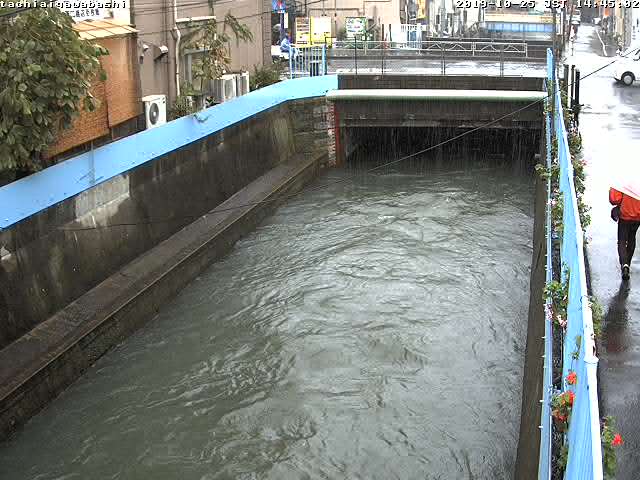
x=80 y=274
x=529 y=439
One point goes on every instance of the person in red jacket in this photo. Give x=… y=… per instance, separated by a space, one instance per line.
x=628 y=223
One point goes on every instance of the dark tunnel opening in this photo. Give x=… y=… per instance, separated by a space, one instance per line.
x=425 y=147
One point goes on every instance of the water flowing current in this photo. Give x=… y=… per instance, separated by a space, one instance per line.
x=371 y=329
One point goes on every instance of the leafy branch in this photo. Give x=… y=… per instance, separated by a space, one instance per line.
x=213 y=38
x=46 y=72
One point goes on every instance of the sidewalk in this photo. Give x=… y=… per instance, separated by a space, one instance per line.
x=610 y=128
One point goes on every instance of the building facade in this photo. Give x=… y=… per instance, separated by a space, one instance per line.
x=119 y=111
x=162 y=25
x=382 y=13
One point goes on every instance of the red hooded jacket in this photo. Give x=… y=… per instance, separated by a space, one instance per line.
x=629 y=206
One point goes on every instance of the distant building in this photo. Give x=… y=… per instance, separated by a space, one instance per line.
x=521 y=20
x=382 y=13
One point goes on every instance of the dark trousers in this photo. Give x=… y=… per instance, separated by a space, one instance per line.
x=627 y=240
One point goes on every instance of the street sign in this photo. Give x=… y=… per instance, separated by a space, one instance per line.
x=303 y=30
x=278 y=6
x=356 y=26
x=81 y=14
x=422 y=9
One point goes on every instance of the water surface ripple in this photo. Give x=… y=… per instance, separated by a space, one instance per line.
x=373 y=329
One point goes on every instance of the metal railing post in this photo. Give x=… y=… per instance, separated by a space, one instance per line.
x=576 y=97
x=443 y=68
x=291 y=50
x=324 y=58
x=502 y=60
x=355 y=52
x=383 y=53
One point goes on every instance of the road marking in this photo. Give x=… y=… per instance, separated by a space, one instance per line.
x=604 y=51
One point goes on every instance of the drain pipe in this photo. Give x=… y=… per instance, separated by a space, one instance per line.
x=176 y=29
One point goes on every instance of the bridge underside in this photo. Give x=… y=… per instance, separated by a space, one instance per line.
x=516 y=148
x=520 y=114
x=415 y=111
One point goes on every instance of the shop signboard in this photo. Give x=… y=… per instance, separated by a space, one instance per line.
x=321 y=30
x=303 y=31
x=356 y=26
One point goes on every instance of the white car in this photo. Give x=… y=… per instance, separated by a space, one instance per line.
x=627 y=67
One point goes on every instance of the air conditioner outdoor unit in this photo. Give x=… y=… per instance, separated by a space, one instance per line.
x=155 y=110
x=224 y=88
x=242 y=83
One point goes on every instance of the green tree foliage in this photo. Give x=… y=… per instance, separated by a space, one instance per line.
x=267 y=75
x=214 y=38
x=45 y=75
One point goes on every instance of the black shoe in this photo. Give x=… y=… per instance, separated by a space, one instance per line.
x=625 y=272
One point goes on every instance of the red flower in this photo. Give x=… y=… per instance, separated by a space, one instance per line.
x=572 y=397
x=572 y=378
x=617 y=440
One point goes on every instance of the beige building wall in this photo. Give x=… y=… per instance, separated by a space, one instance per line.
x=382 y=12
x=154 y=20
x=256 y=14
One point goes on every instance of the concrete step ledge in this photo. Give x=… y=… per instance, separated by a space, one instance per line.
x=40 y=365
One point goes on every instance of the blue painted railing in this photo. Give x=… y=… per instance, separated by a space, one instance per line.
x=307 y=61
x=37 y=192
x=544 y=469
x=583 y=437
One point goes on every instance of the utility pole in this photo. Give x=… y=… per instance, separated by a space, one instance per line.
x=564 y=40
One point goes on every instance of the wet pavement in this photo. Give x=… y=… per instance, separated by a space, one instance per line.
x=610 y=128
x=434 y=67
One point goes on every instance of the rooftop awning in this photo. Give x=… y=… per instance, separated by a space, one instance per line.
x=95 y=29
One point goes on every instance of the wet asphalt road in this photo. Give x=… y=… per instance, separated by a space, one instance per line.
x=610 y=127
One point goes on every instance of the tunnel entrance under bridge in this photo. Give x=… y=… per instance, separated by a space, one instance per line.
x=514 y=150
x=481 y=116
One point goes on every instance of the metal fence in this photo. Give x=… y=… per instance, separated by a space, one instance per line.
x=439 y=57
x=583 y=437
x=434 y=48
x=307 y=61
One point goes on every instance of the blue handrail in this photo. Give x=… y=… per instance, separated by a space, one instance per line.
x=583 y=437
x=544 y=469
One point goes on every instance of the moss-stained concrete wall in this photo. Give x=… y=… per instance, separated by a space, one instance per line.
x=529 y=441
x=81 y=275
x=52 y=258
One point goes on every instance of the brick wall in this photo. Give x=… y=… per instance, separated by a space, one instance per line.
x=122 y=85
x=119 y=97
x=87 y=126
